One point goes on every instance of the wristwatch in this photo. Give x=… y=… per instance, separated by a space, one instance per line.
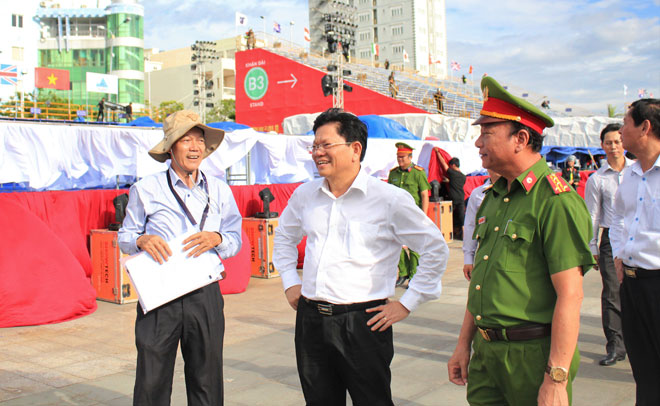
x=557 y=374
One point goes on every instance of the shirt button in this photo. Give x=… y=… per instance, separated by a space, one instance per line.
x=485 y=257
x=478 y=317
x=506 y=200
x=478 y=287
x=497 y=228
x=514 y=236
x=644 y=179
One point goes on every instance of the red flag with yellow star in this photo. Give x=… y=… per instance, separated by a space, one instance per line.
x=46 y=78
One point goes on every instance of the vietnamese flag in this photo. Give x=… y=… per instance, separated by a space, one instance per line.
x=46 y=78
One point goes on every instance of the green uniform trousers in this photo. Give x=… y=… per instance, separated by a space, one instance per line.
x=510 y=372
x=408 y=264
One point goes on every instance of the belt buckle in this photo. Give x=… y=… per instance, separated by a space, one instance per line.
x=630 y=272
x=484 y=333
x=325 y=309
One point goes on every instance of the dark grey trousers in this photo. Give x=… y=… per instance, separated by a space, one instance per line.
x=609 y=298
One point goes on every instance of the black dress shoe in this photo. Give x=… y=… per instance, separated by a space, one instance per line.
x=400 y=281
x=611 y=359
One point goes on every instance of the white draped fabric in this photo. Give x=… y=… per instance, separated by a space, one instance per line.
x=61 y=156
x=567 y=131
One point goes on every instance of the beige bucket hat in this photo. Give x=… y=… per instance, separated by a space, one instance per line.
x=179 y=123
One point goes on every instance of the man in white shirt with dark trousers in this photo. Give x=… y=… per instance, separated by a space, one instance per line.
x=635 y=239
x=599 y=195
x=355 y=226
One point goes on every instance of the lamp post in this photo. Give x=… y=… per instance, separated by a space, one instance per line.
x=263 y=20
x=291 y=24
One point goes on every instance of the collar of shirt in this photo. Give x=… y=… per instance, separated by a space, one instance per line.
x=636 y=168
x=359 y=183
x=607 y=168
x=178 y=182
x=537 y=170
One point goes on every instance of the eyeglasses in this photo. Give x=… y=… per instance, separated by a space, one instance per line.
x=316 y=148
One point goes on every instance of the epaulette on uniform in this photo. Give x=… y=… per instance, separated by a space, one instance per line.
x=557 y=184
x=393 y=168
x=419 y=168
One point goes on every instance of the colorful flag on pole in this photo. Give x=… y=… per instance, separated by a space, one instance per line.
x=8 y=74
x=276 y=27
x=308 y=37
x=625 y=90
x=455 y=65
x=374 y=48
x=46 y=78
x=241 y=19
x=470 y=69
x=641 y=93
x=405 y=56
x=651 y=95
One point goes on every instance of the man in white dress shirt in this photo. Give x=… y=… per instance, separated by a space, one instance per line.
x=599 y=196
x=355 y=226
x=469 y=244
x=635 y=239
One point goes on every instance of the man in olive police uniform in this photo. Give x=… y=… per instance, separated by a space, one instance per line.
x=411 y=178
x=523 y=310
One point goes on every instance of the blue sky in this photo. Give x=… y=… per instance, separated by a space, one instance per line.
x=579 y=52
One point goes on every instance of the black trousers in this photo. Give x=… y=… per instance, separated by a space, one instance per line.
x=640 y=316
x=340 y=352
x=609 y=299
x=198 y=322
x=458 y=218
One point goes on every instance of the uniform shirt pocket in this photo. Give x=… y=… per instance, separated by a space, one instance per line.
x=517 y=241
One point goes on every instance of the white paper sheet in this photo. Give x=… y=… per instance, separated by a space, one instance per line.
x=158 y=284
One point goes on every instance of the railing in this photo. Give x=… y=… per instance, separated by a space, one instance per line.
x=30 y=109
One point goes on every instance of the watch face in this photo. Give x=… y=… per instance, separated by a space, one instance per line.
x=558 y=374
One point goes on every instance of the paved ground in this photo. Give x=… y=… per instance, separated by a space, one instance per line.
x=91 y=361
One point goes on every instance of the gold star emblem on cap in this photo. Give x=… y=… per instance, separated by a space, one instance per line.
x=485 y=94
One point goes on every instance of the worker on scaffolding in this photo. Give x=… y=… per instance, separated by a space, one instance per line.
x=394 y=89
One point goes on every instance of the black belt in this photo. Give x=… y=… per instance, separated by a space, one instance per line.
x=640 y=273
x=519 y=333
x=329 y=309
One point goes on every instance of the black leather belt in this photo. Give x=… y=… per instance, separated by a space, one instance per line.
x=519 y=333
x=329 y=309
x=640 y=273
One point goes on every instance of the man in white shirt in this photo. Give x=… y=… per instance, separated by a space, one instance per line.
x=355 y=226
x=599 y=196
x=474 y=202
x=635 y=239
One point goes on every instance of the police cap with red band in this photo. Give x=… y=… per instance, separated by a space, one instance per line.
x=500 y=105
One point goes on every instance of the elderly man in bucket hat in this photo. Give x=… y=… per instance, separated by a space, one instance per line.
x=526 y=287
x=161 y=207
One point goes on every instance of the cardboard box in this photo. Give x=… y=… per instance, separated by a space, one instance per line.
x=109 y=278
x=260 y=232
x=442 y=215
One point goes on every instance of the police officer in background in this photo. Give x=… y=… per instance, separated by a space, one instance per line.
x=526 y=287
x=411 y=178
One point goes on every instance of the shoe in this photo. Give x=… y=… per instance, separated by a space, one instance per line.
x=611 y=359
x=400 y=281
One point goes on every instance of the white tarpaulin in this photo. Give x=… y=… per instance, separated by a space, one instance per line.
x=61 y=156
x=567 y=131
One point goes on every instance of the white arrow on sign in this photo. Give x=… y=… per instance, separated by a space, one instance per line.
x=293 y=81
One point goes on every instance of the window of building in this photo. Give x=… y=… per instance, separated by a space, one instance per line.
x=365 y=54
x=17 y=20
x=365 y=36
x=397 y=11
x=364 y=2
x=364 y=18
x=397 y=49
x=397 y=30
x=17 y=53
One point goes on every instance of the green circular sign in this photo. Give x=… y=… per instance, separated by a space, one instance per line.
x=256 y=83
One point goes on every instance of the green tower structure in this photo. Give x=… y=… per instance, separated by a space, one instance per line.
x=106 y=41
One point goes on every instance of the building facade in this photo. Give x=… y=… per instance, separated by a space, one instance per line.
x=390 y=30
x=85 y=39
